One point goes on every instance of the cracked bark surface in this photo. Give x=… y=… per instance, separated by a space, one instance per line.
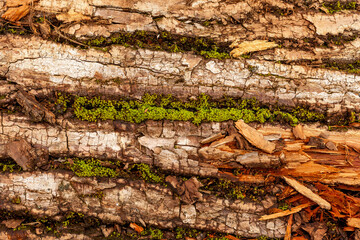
x=49 y=194
x=37 y=64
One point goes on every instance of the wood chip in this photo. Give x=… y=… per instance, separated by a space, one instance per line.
x=223 y=141
x=12 y=223
x=230 y=237
x=72 y=16
x=34 y=109
x=254 y=137
x=16 y=3
x=250 y=46
x=353 y=222
x=21 y=152
x=293 y=147
x=136 y=227
x=299 y=132
x=307 y=193
x=331 y=146
x=286 y=212
x=213 y=138
x=15 y=14
x=288 y=228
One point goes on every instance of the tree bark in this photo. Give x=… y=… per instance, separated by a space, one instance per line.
x=311 y=40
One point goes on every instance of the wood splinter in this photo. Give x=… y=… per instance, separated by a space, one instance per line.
x=308 y=193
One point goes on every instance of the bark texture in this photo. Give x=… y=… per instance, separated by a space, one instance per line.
x=309 y=38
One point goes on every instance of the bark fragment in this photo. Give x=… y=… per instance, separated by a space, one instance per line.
x=33 y=108
x=254 y=137
x=299 y=132
x=187 y=190
x=308 y=193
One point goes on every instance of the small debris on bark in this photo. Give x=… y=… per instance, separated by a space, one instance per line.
x=106 y=230
x=213 y=138
x=331 y=146
x=316 y=142
x=188 y=190
x=286 y=212
x=12 y=223
x=26 y=156
x=255 y=137
x=36 y=111
x=250 y=46
x=299 y=132
x=308 y=193
x=222 y=141
x=316 y=230
x=288 y=228
x=136 y=227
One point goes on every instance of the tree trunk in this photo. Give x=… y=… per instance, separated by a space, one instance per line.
x=109 y=50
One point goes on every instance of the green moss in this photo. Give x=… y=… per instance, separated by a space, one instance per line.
x=61 y=103
x=16 y=200
x=203 y=109
x=334 y=7
x=182 y=233
x=153 y=233
x=147 y=174
x=9 y=166
x=91 y=168
x=164 y=41
x=353 y=67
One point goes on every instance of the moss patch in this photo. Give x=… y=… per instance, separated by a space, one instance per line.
x=203 y=109
x=166 y=42
x=353 y=67
x=338 y=6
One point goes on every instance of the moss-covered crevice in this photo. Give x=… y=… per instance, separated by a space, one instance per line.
x=202 y=109
x=333 y=7
x=164 y=41
x=349 y=67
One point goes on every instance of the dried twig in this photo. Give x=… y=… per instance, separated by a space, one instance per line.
x=286 y=212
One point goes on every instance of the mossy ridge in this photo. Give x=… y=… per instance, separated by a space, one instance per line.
x=92 y=167
x=349 y=67
x=203 y=109
x=165 y=41
x=338 y=6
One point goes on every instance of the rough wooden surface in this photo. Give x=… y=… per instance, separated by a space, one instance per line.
x=50 y=194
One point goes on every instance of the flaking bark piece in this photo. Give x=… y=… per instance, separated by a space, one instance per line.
x=256 y=159
x=254 y=137
x=21 y=152
x=316 y=230
x=250 y=46
x=316 y=142
x=12 y=223
x=299 y=132
x=222 y=141
x=308 y=193
x=213 y=138
x=36 y=111
x=16 y=3
x=15 y=14
x=27 y=156
x=188 y=190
